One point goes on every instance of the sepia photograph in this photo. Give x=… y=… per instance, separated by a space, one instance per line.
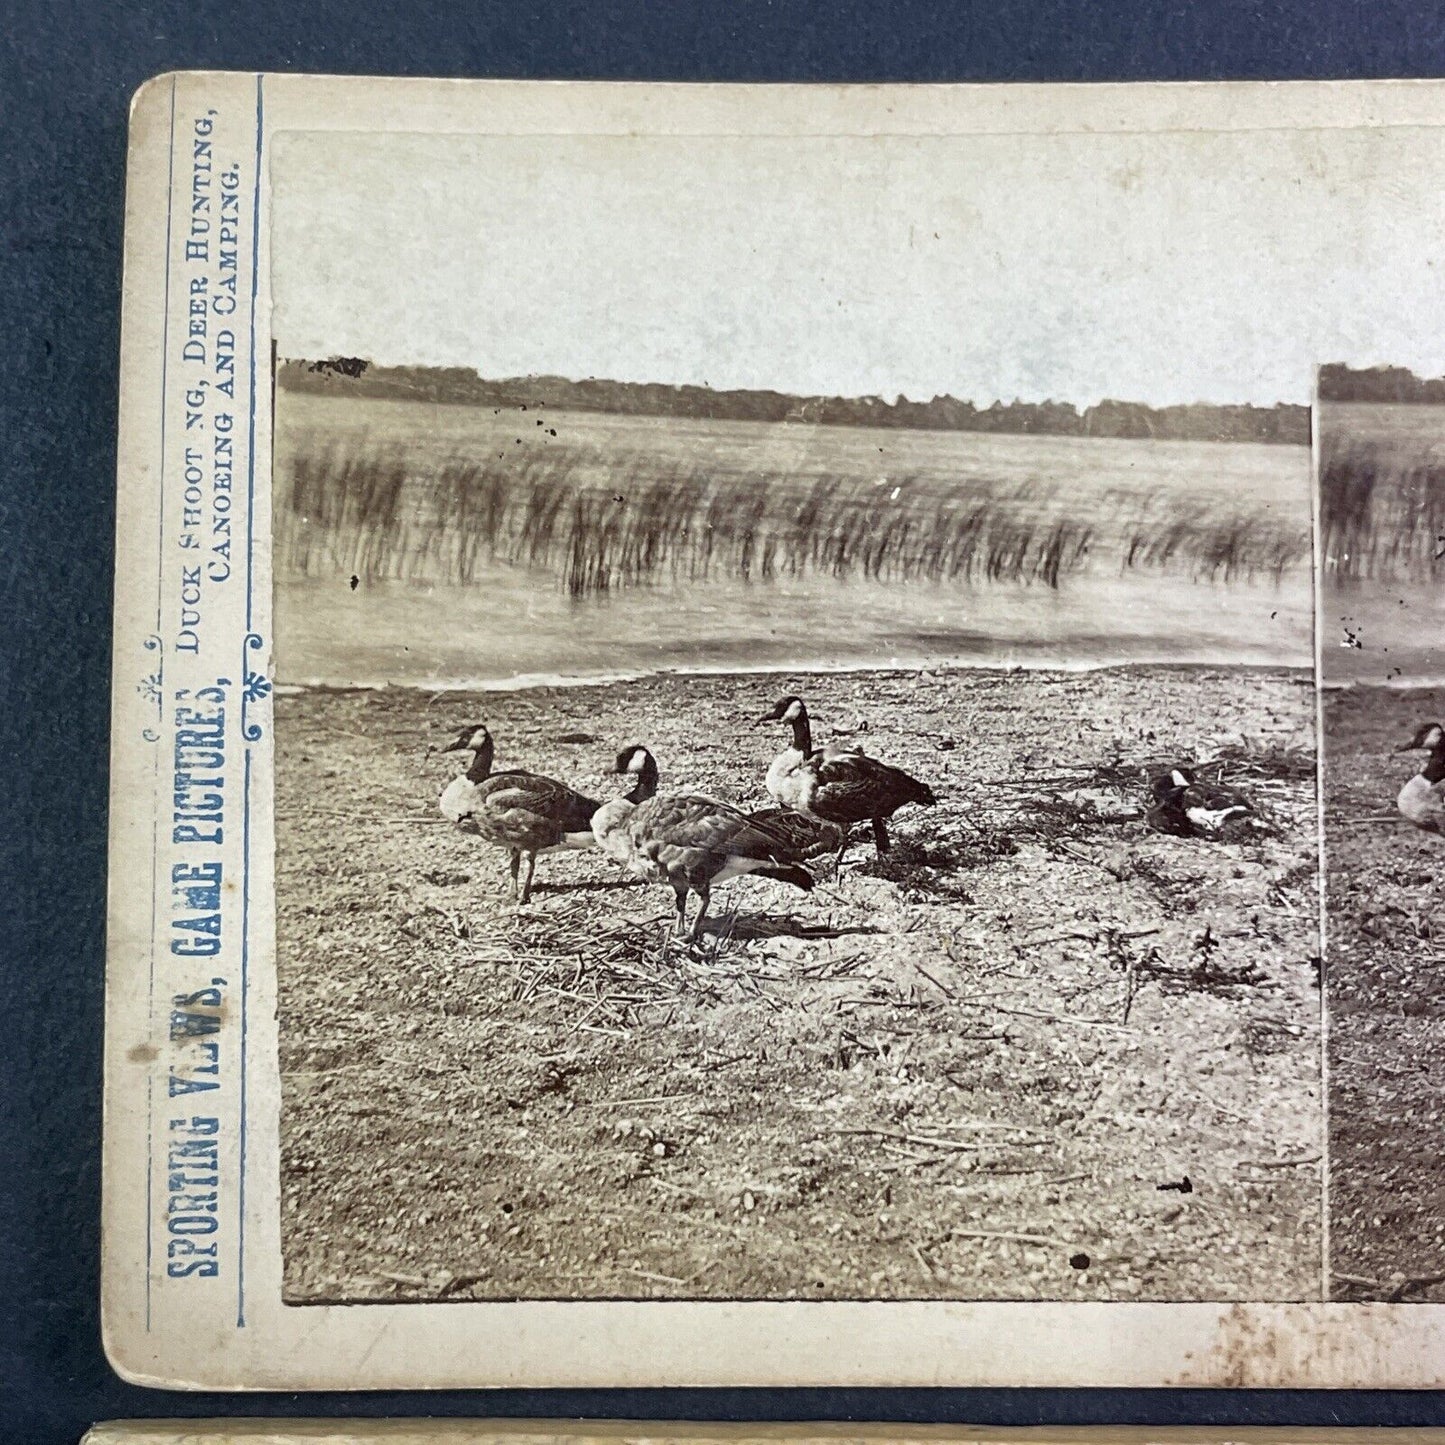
x=1381 y=447
x=795 y=767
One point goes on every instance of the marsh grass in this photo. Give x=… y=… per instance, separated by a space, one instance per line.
x=1382 y=492
x=602 y=523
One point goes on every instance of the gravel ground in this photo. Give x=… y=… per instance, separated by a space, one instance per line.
x=1387 y=1005
x=1037 y=1052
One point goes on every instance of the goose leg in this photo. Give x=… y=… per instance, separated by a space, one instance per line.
x=680 y=893
x=527 y=882
x=703 y=894
x=516 y=868
x=880 y=834
x=842 y=849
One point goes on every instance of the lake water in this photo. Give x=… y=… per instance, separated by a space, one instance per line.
x=512 y=622
x=1386 y=624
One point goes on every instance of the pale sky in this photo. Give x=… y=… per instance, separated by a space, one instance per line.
x=1160 y=268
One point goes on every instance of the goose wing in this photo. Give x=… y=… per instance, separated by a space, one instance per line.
x=687 y=838
x=802 y=836
x=527 y=810
x=544 y=796
x=1210 y=806
x=853 y=786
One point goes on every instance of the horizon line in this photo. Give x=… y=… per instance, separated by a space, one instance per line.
x=314 y=363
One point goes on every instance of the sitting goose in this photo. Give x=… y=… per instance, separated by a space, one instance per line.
x=688 y=841
x=1187 y=808
x=838 y=784
x=521 y=812
x=1422 y=800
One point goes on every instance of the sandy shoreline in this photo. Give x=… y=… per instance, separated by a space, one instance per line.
x=982 y=1067
x=526 y=682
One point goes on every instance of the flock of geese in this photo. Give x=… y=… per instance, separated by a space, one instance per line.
x=688 y=841
x=692 y=842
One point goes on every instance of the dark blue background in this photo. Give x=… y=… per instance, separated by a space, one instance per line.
x=67 y=70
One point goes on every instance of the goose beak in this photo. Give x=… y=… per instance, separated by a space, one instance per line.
x=1405 y=748
x=766 y=717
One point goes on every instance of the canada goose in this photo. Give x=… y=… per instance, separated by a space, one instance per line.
x=805 y=836
x=838 y=784
x=521 y=812
x=1422 y=799
x=1187 y=808
x=691 y=842
x=609 y=822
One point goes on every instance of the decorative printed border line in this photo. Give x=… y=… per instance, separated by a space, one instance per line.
x=152 y=687
x=256 y=687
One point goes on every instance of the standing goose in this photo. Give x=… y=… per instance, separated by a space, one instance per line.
x=1182 y=805
x=609 y=822
x=1422 y=800
x=521 y=812
x=806 y=837
x=837 y=784
x=691 y=842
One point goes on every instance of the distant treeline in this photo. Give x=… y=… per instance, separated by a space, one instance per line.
x=1379 y=384
x=351 y=376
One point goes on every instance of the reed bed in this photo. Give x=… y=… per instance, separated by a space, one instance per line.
x=601 y=523
x=1382 y=500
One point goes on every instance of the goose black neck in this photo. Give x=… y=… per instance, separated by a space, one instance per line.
x=802 y=733
x=645 y=785
x=481 y=767
x=1434 y=769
